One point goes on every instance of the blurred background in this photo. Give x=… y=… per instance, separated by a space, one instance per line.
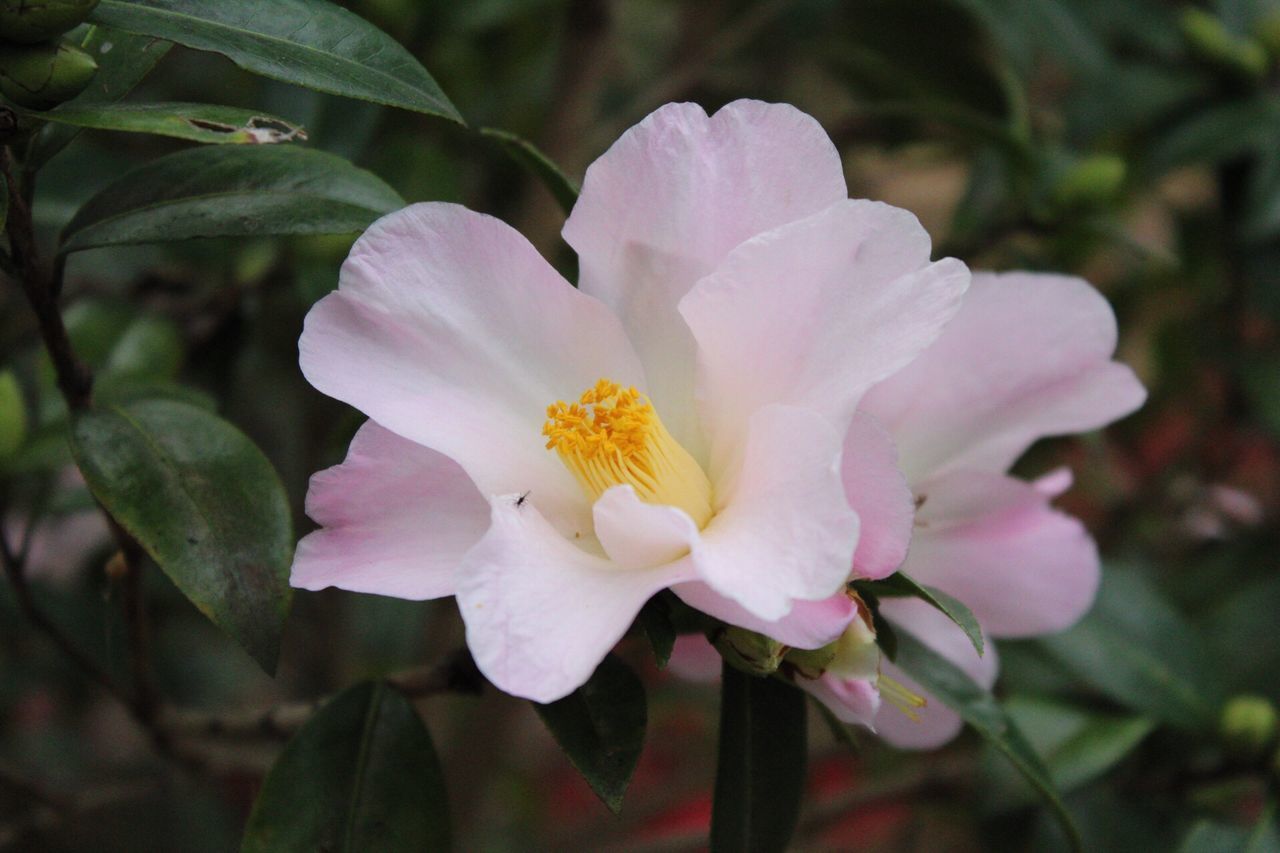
x=1136 y=144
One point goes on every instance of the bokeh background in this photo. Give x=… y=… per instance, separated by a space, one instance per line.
x=1134 y=143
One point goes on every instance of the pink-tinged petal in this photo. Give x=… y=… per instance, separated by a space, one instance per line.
x=813 y=314
x=1055 y=483
x=851 y=700
x=878 y=492
x=634 y=533
x=396 y=520
x=449 y=329
x=542 y=613
x=694 y=659
x=809 y=625
x=668 y=201
x=937 y=723
x=783 y=530
x=997 y=545
x=1027 y=356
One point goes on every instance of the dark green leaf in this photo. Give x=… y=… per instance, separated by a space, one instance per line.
x=760 y=769
x=311 y=43
x=362 y=774
x=949 y=685
x=1208 y=836
x=232 y=190
x=195 y=122
x=900 y=585
x=204 y=503
x=600 y=726
x=655 y=619
x=124 y=59
x=1137 y=649
x=527 y=155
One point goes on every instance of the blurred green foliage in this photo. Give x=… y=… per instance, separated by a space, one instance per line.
x=1134 y=143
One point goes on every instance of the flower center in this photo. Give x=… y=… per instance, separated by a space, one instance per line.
x=612 y=437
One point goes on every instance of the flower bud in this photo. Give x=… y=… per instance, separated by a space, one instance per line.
x=26 y=22
x=41 y=76
x=854 y=654
x=749 y=651
x=1092 y=182
x=1248 y=726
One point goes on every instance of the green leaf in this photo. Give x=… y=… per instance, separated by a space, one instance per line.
x=1137 y=649
x=13 y=416
x=655 y=619
x=124 y=59
x=362 y=774
x=953 y=688
x=232 y=190
x=1209 y=836
x=600 y=726
x=1078 y=745
x=204 y=503
x=311 y=43
x=207 y=123
x=899 y=585
x=760 y=768
x=538 y=164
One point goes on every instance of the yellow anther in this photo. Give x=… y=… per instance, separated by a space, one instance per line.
x=612 y=436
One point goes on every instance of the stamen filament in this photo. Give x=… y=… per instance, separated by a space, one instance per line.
x=901 y=698
x=612 y=436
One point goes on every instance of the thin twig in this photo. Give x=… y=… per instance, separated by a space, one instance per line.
x=456 y=674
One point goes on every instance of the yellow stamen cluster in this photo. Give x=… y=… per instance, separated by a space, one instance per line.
x=612 y=436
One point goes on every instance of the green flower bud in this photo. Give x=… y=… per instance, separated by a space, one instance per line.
x=749 y=651
x=1210 y=39
x=1092 y=182
x=30 y=21
x=1248 y=726
x=41 y=76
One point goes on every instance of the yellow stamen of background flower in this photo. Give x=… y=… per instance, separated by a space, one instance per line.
x=612 y=437
x=901 y=698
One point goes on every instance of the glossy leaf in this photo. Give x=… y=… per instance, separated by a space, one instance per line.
x=311 y=43
x=1137 y=649
x=760 y=768
x=232 y=190
x=124 y=59
x=600 y=726
x=204 y=503
x=362 y=774
x=206 y=123
x=900 y=585
x=538 y=164
x=977 y=707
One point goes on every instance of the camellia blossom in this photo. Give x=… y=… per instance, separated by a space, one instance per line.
x=687 y=418
x=1027 y=356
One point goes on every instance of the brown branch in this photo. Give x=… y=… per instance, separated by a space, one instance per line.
x=41 y=289
x=456 y=674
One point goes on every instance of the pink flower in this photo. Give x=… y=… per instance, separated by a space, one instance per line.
x=1027 y=356
x=738 y=306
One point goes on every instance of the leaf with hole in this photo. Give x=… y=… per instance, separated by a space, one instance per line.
x=208 y=123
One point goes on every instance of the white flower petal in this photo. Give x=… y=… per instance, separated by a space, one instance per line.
x=449 y=329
